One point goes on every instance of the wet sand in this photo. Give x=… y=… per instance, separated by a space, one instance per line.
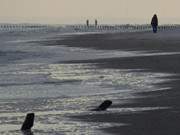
x=140 y=41
x=151 y=122
x=63 y=77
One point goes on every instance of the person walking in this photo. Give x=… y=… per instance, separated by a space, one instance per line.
x=154 y=23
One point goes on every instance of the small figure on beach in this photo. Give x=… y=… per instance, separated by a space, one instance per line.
x=28 y=124
x=96 y=22
x=154 y=23
x=106 y=104
x=87 y=23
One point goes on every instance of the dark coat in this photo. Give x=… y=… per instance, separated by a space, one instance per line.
x=154 y=21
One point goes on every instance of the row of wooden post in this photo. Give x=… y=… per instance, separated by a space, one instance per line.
x=121 y=28
x=82 y=28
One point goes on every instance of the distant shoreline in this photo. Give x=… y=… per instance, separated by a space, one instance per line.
x=82 y=28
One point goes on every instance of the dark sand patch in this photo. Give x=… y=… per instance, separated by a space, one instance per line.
x=142 y=41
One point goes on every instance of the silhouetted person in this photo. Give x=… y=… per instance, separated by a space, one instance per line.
x=87 y=23
x=106 y=104
x=154 y=23
x=28 y=123
x=96 y=22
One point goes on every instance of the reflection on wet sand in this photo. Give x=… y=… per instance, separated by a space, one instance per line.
x=100 y=84
x=35 y=79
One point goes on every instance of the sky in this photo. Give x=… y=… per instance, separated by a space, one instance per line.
x=77 y=11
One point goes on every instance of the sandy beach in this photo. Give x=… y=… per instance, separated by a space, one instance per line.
x=89 y=67
x=61 y=77
x=139 y=122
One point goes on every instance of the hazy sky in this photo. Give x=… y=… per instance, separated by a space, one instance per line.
x=76 y=11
